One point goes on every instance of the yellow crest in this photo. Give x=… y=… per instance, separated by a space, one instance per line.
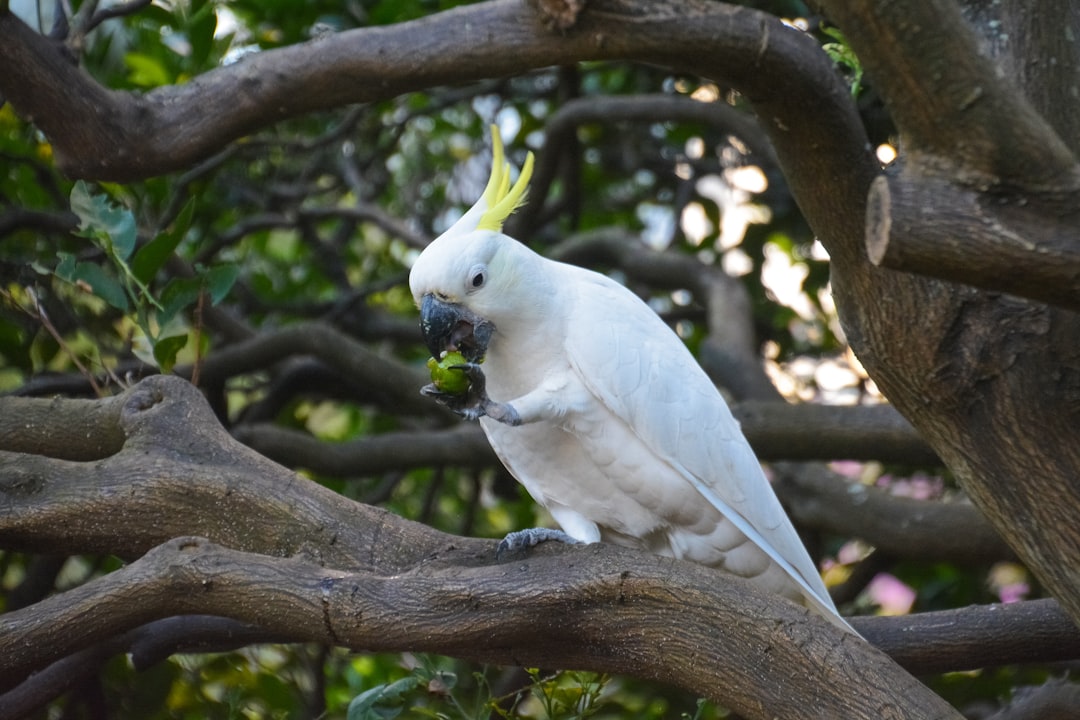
x=502 y=199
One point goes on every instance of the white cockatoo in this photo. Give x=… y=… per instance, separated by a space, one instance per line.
x=601 y=413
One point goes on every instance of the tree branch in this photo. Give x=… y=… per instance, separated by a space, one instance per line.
x=354 y=573
x=386 y=381
x=561 y=126
x=780 y=70
x=463 y=445
x=983 y=635
x=1025 y=244
x=785 y=431
x=953 y=108
x=900 y=527
x=818 y=499
x=61 y=428
x=976 y=372
x=176 y=461
x=147 y=645
x=551 y=611
x=988 y=194
x=776 y=431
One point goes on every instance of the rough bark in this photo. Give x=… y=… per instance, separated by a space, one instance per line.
x=991 y=381
x=988 y=191
x=1021 y=243
x=780 y=69
x=303 y=563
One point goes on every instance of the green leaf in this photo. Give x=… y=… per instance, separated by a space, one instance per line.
x=201 y=34
x=82 y=201
x=150 y=257
x=841 y=53
x=99 y=217
x=103 y=284
x=177 y=295
x=13 y=347
x=166 y=350
x=383 y=702
x=219 y=281
x=65 y=270
x=146 y=71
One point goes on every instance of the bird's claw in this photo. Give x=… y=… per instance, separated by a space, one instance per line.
x=474 y=403
x=521 y=540
x=454 y=401
x=477 y=379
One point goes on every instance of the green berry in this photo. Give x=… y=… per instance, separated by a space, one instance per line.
x=446 y=377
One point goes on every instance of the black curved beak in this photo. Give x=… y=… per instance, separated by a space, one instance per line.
x=437 y=322
x=448 y=326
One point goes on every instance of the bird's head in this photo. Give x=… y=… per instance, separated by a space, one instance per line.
x=462 y=281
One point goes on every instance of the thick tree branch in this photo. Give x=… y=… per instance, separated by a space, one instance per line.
x=62 y=429
x=353 y=567
x=947 y=97
x=784 y=431
x=780 y=70
x=776 y=431
x=1036 y=48
x=900 y=527
x=1036 y=631
x=1027 y=245
x=1018 y=242
x=386 y=381
x=176 y=461
x=977 y=373
x=988 y=194
x=550 y=610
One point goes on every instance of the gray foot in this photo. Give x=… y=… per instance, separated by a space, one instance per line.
x=521 y=540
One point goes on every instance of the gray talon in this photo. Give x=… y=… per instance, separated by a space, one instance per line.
x=521 y=540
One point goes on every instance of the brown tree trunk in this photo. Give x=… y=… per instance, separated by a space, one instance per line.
x=991 y=380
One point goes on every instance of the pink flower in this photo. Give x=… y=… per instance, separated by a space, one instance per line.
x=891 y=595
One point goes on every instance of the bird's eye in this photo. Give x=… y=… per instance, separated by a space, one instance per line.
x=477 y=277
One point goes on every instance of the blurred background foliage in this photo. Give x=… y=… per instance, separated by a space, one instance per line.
x=318 y=219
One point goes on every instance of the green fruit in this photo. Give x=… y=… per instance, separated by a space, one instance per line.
x=448 y=378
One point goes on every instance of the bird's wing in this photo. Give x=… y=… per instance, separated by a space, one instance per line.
x=632 y=362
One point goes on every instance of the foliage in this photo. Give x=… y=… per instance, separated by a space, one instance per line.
x=842 y=55
x=124 y=280
x=433 y=689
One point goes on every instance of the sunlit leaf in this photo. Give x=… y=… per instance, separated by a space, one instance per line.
x=146 y=71
x=166 y=350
